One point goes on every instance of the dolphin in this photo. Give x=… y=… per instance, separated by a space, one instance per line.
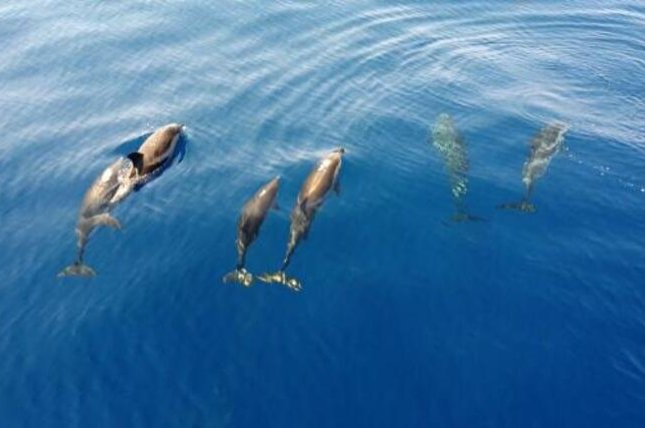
x=115 y=184
x=452 y=148
x=542 y=148
x=110 y=188
x=251 y=218
x=321 y=181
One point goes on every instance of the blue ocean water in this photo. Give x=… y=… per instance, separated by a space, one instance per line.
x=406 y=319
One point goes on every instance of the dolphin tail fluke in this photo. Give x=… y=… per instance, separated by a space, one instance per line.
x=77 y=269
x=280 y=277
x=523 y=206
x=240 y=275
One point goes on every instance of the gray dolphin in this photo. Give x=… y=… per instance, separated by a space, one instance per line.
x=251 y=218
x=542 y=148
x=115 y=184
x=320 y=182
x=452 y=148
x=110 y=188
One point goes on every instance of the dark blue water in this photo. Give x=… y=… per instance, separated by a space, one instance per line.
x=406 y=319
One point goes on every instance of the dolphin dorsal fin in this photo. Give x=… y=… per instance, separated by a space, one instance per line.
x=137 y=161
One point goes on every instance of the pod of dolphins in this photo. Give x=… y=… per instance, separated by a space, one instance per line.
x=131 y=172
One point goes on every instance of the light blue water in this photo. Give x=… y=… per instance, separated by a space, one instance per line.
x=405 y=318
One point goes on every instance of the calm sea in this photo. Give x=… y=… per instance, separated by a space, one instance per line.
x=406 y=319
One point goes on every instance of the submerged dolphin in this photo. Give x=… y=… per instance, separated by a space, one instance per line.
x=321 y=180
x=248 y=227
x=111 y=187
x=115 y=184
x=543 y=147
x=450 y=144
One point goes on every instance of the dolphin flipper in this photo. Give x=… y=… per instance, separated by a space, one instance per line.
x=105 y=219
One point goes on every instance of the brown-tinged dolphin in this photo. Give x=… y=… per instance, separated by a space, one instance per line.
x=320 y=182
x=251 y=218
x=155 y=151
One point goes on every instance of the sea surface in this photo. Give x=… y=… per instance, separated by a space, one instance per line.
x=406 y=318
